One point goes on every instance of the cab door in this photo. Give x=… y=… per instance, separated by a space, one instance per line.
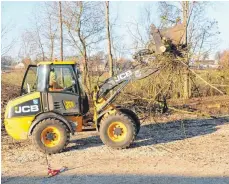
x=63 y=91
x=29 y=83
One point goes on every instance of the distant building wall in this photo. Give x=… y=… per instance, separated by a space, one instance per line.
x=204 y=64
x=19 y=66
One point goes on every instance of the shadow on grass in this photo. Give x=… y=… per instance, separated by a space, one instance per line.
x=116 y=179
x=160 y=133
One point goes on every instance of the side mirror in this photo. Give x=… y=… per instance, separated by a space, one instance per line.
x=73 y=82
x=23 y=92
x=28 y=87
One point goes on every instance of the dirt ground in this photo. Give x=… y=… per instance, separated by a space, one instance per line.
x=167 y=152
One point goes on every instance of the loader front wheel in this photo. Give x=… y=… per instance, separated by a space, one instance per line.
x=132 y=115
x=117 y=131
x=51 y=136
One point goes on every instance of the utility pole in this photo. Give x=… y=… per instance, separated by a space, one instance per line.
x=61 y=32
x=111 y=68
x=187 y=87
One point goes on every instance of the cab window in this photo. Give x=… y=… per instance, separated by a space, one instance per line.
x=61 y=78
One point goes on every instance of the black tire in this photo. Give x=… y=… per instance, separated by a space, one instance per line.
x=132 y=115
x=64 y=136
x=129 y=124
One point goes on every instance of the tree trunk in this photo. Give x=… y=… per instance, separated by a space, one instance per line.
x=61 y=32
x=61 y=42
x=51 y=37
x=86 y=77
x=111 y=68
x=185 y=7
x=52 y=48
x=42 y=49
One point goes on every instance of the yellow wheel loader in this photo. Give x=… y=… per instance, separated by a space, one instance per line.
x=53 y=104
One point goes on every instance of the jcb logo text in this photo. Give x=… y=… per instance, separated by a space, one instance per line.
x=26 y=109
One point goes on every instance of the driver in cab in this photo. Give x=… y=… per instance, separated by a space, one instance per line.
x=53 y=84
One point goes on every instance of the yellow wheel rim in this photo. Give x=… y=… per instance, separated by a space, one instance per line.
x=50 y=136
x=117 y=131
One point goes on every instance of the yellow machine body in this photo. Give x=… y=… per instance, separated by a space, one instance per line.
x=16 y=124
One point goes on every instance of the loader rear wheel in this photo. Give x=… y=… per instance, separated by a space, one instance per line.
x=117 y=131
x=51 y=136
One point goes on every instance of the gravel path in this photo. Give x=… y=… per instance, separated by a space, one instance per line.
x=187 y=151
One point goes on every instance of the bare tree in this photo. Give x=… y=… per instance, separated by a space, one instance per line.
x=199 y=31
x=111 y=70
x=185 y=10
x=6 y=62
x=28 y=47
x=37 y=36
x=5 y=29
x=139 y=30
x=50 y=26
x=84 y=21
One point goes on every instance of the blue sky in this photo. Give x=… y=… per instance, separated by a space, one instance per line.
x=19 y=13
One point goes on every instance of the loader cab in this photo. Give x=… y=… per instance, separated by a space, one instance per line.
x=60 y=87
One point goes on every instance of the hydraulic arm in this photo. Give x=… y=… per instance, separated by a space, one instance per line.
x=119 y=81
